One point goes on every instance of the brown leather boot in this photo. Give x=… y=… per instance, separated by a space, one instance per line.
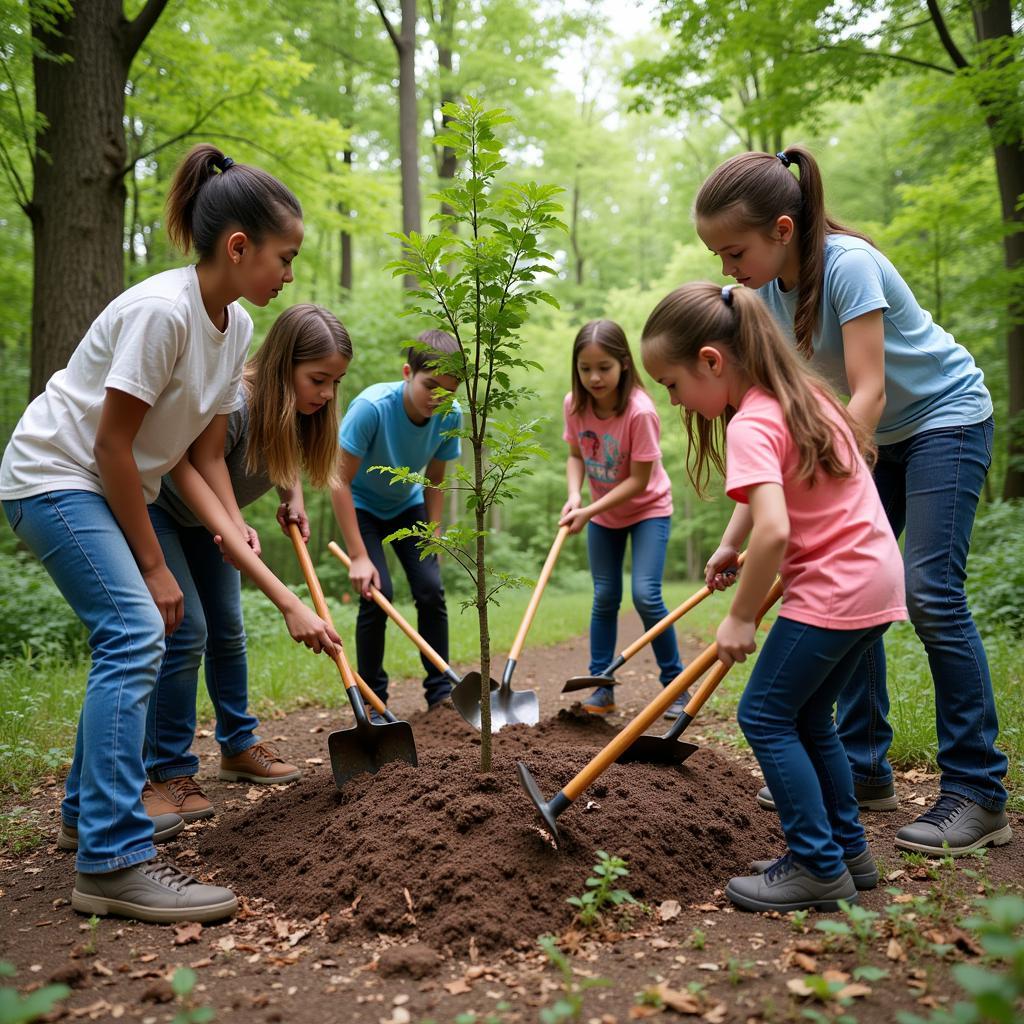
x=176 y=796
x=261 y=764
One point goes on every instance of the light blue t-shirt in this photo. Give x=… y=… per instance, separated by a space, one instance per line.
x=931 y=381
x=377 y=429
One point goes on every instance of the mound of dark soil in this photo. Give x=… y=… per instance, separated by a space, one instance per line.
x=467 y=847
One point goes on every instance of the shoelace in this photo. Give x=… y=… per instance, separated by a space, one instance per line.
x=780 y=867
x=263 y=755
x=184 y=787
x=944 y=809
x=167 y=874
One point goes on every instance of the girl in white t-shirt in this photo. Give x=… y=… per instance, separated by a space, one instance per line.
x=158 y=368
x=794 y=464
x=613 y=430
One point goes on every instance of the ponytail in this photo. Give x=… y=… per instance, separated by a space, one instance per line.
x=758 y=188
x=701 y=314
x=211 y=193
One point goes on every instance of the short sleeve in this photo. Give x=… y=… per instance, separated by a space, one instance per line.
x=450 y=448
x=644 y=436
x=359 y=427
x=756 y=446
x=856 y=285
x=148 y=340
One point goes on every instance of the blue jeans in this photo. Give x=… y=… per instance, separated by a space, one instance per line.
x=786 y=714
x=78 y=540
x=607 y=550
x=424 y=576
x=212 y=626
x=930 y=485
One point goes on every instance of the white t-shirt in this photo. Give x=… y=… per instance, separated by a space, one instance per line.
x=155 y=342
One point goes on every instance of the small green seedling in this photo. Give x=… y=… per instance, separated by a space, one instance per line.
x=697 y=939
x=601 y=893
x=15 y=1010
x=183 y=982
x=569 y=1005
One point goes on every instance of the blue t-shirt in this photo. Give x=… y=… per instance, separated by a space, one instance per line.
x=931 y=381
x=377 y=429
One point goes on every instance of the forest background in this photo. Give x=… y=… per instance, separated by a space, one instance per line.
x=913 y=108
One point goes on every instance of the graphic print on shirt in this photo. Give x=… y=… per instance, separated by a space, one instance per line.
x=601 y=456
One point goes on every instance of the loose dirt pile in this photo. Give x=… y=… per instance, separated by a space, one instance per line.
x=467 y=848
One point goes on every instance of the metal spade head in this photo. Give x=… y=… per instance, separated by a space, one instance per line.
x=588 y=683
x=656 y=750
x=533 y=792
x=514 y=707
x=466 y=698
x=367 y=748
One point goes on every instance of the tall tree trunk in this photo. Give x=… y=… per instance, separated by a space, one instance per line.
x=444 y=28
x=345 y=271
x=78 y=189
x=574 y=229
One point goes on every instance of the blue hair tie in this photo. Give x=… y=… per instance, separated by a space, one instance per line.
x=224 y=164
x=785 y=159
x=727 y=294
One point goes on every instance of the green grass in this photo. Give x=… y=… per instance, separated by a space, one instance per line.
x=41 y=700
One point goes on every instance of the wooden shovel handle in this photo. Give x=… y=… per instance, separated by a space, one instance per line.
x=393 y=613
x=646 y=718
x=349 y=677
x=538 y=590
x=671 y=619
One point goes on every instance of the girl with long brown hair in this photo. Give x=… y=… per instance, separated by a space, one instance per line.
x=287 y=425
x=920 y=393
x=794 y=462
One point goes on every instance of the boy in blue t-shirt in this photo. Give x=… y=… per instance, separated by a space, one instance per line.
x=393 y=424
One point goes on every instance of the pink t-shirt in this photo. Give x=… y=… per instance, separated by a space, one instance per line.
x=609 y=446
x=842 y=568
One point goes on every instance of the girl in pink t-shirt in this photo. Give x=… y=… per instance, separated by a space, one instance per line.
x=795 y=465
x=613 y=430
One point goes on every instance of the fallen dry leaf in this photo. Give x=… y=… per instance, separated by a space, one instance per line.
x=640 y=1012
x=457 y=987
x=717 y=1014
x=855 y=991
x=838 y=976
x=799 y=987
x=669 y=909
x=186 y=933
x=806 y=963
x=681 y=1002
x=894 y=951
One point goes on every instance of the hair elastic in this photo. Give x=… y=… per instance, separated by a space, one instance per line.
x=785 y=159
x=727 y=294
x=223 y=164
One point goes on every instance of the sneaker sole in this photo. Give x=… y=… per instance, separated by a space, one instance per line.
x=885 y=803
x=101 y=906
x=190 y=816
x=597 y=711
x=261 y=780
x=998 y=838
x=65 y=842
x=760 y=907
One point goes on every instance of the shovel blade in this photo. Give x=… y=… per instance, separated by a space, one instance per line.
x=514 y=707
x=656 y=750
x=587 y=683
x=466 y=698
x=367 y=748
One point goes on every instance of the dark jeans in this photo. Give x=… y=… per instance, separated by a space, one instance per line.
x=786 y=714
x=929 y=485
x=424 y=576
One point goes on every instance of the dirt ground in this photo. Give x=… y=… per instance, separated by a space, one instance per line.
x=419 y=894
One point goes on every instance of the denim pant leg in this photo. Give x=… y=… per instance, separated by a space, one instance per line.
x=424 y=576
x=606 y=549
x=371 y=622
x=79 y=542
x=171 y=718
x=650 y=541
x=785 y=714
x=226 y=665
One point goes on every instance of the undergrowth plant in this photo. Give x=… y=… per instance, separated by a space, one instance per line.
x=17 y=1010
x=601 y=893
x=569 y=1005
x=476 y=280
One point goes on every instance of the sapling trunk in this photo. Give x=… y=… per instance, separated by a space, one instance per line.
x=485 y=635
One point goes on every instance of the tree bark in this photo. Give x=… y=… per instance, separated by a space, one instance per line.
x=78 y=190
x=345 y=275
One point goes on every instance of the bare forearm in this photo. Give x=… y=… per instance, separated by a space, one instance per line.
x=574 y=475
x=739 y=527
x=122 y=487
x=621 y=492
x=433 y=502
x=866 y=407
x=764 y=556
x=345 y=514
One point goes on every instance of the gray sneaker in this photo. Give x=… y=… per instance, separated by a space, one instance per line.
x=787 y=886
x=155 y=891
x=954 y=825
x=165 y=826
x=862 y=868
x=879 y=796
x=600 y=702
x=677 y=707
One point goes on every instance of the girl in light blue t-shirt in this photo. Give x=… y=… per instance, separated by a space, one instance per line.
x=849 y=312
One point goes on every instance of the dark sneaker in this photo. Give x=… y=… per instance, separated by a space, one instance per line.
x=155 y=891
x=261 y=764
x=787 y=886
x=862 y=868
x=176 y=796
x=870 y=797
x=437 y=697
x=600 y=702
x=953 y=826
x=376 y=718
x=677 y=707
x=165 y=826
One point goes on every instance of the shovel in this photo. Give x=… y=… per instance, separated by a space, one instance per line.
x=402 y=623
x=508 y=707
x=366 y=747
x=551 y=809
x=607 y=677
